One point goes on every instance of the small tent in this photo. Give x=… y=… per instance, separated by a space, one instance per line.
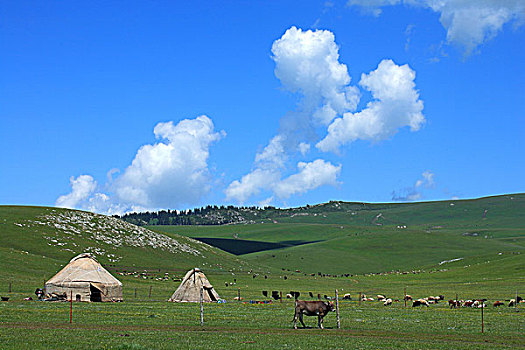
x=85 y=280
x=190 y=288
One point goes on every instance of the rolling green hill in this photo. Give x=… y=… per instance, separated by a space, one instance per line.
x=441 y=251
x=416 y=242
x=363 y=238
x=36 y=242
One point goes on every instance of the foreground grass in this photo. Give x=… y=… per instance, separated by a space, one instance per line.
x=162 y=325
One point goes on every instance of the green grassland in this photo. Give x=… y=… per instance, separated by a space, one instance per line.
x=362 y=238
x=378 y=259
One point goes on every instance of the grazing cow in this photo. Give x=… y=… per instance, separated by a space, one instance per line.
x=407 y=297
x=419 y=302
x=347 y=296
x=289 y=296
x=497 y=303
x=388 y=302
x=312 y=308
x=453 y=303
x=511 y=302
x=380 y=296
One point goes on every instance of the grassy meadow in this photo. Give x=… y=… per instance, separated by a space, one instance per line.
x=352 y=254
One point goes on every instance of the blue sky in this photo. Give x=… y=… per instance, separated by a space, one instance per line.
x=125 y=106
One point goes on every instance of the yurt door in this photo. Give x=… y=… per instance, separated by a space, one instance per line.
x=95 y=294
x=210 y=293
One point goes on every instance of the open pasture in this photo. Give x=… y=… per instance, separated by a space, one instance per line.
x=368 y=259
x=144 y=324
x=150 y=322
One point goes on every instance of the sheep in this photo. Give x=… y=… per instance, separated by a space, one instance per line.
x=467 y=303
x=419 y=302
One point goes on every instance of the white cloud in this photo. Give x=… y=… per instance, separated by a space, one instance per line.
x=81 y=188
x=396 y=104
x=303 y=148
x=173 y=172
x=273 y=155
x=372 y=7
x=308 y=62
x=428 y=178
x=265 y=202
x=469 y=23
x=251 y=184
x=168 y=173
x=310 y=176
x=414 y=193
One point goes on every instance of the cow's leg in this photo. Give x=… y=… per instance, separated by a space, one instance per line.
x=295 y=320
x=320 y=321
x=301 y=319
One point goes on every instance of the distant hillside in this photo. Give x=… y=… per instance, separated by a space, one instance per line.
x=506 y=207
x=210 y=215
x=340 y=237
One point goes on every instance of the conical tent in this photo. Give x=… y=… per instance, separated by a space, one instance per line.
x=85 y=279
x=190 y=288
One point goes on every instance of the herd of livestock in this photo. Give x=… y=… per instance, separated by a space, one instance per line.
x=453 y=303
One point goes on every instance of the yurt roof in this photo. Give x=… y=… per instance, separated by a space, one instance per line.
x=84 y=268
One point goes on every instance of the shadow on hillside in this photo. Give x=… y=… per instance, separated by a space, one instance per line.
x=241 y=246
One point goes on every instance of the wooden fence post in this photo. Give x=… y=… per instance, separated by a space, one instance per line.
x=405 y=297
x=135 y=293
x=482 y=307
x=202 y=308
x=359 y=298
x=149 y=295
x=9 y=287
x=337 y=308
x=71 y=308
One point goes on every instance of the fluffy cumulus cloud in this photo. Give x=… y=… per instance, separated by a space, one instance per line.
x=82 y=188
x=308 y=63
x=469 y=23
x=251 y=184
x=310 y=176
x=168 y=173
x=415 y=192
x=172 y=171
x=396 y=104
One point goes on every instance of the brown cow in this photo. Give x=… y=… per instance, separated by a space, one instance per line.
x=312 y=308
